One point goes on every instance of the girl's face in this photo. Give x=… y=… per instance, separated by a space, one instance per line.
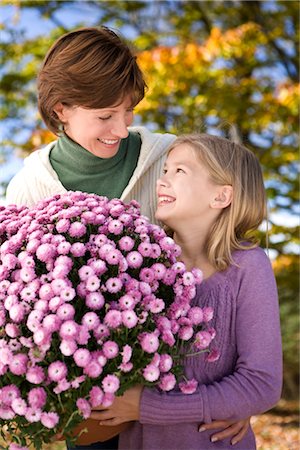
x=97 y=130
x=185 y=192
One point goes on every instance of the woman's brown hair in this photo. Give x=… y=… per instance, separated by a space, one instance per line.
x=90 y=67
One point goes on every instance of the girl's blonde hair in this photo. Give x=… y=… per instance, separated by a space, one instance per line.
x=232 y=164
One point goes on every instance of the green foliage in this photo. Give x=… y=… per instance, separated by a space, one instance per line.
x=228 y=67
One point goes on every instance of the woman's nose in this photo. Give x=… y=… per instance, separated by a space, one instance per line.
x=120 y=129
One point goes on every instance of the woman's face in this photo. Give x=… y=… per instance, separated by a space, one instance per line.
x=97 y=130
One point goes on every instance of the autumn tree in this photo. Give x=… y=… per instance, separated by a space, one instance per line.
x=230 y=68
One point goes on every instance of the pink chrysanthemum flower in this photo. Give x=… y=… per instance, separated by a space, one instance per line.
x=45 y=252
x=92 y=283
x=129 y=318
x=17 y=312
x=35 y=375
x=151 y=373
x=203 y=339
x=18 y=364
x=96 y=396
x=126 y=302
x=51 y=322
x=188 y=387
x=19 y=406
x=68 y=294
x=95 y=300
x=126 y=243
x=12 y=330
x=8 y=394
x=110 y=384
x=167 y=382
x=65 y=312
x=186 y=333
x=134 y=259
x=49 y=419
x=165 y=363
x=68 y=347
x=57 y=371
x=149 y=342
x=77 y=229
x=82 y=357
x=90 y=320
x=195 y=314
x=84 y=407
x=37 y=397
x=156 y=305
x=113 y=319
x=68 y=329
x=6 y=413
x=85 y=272
x=145 y=249
x=63 y=248
x=93 y=369
x=62 y=386
x=63 y=225
x=115 y=227
x=78 y=249
x=110 y=349
x=213 y=355
x=126 y=353
x=113 y=285
x=33 y=415
x=208 y=314
x=83 y=335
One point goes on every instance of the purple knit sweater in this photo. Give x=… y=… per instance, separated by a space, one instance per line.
x=245 y=381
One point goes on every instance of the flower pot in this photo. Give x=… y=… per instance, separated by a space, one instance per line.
x=96 y=432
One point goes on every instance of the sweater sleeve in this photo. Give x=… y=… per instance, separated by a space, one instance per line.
x=255 y=384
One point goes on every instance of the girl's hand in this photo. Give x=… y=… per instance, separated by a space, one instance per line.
x=230 y=428
x=124 y=409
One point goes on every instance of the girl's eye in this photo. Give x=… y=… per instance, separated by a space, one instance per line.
x=179 y=170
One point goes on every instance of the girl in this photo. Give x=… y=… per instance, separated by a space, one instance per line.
x=212 y=197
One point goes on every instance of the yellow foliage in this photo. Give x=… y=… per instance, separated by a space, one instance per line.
x=234 y=42
x=194 y=57
x=289 y=95
x=283 y=262
x=37 y=139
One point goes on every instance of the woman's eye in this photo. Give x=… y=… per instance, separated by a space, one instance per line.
x=104 y=118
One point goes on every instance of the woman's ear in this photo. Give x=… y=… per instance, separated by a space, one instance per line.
x=222 y=198
x=60 y=111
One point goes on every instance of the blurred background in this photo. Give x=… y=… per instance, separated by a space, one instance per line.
x=225 y=67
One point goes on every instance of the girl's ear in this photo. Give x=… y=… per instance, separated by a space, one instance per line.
x=222 y=198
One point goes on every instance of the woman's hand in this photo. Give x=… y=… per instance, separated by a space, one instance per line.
x=124 y=409
x=230 y=428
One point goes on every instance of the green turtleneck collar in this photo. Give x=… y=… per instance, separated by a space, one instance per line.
x=79 y=169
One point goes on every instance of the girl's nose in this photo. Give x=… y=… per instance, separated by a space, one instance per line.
x=161 y=181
